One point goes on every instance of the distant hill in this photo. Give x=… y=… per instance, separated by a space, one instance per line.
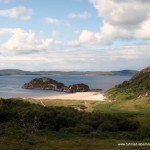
x=137 y=87
x=21 y=72
x=125 y=72
x=14 y=72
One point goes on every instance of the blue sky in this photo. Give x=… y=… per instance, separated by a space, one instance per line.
x=76 y=35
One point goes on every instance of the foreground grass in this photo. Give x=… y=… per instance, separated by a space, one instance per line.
x=79 y=105
x=25 y=139
x=134 y=106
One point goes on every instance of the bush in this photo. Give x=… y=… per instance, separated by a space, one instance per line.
x=33 y=116
x=109 y=126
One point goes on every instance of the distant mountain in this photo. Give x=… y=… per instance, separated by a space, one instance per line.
x=21 y=72
x=137 y=87
x=125 y=72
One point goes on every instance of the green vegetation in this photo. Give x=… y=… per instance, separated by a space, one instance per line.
x=137 y=87
x=24 y=139
x=32 y=126
x=131 y=98
x=33 y=116
x=139 y=106
x=79 y=105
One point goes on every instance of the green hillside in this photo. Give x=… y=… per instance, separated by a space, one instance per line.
x=137 y=87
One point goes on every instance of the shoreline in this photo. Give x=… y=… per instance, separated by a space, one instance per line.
x=88 y=96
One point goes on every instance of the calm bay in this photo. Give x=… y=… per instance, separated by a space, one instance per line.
x=11 y=86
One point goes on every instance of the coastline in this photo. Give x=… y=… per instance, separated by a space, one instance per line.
x=88 y=96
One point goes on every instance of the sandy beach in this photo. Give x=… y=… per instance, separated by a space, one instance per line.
x=90 y=96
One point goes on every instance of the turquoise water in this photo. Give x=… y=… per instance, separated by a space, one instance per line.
x=11 y=86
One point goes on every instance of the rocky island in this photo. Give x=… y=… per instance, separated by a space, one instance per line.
x=50 y=84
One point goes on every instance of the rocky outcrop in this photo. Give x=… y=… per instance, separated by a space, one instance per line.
x=44 y=84
x=50 y=84
x=141 y=74
x=77 y=88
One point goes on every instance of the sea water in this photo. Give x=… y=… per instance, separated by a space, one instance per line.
x=11 y=86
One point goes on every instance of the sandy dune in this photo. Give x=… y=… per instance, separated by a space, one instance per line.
x=93 y=96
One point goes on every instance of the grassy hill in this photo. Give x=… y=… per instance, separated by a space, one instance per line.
x=137 y=87
x=130 y=97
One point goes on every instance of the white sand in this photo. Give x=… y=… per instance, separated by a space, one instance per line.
x=93 y=96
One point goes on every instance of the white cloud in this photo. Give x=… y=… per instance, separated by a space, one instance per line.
x=85 y=37
x=124 y=13
x=19 y=12
x=144 y=31
x=55 y=34
x=83 y=15
x=21 y=41
x=132 y=52
x=124 y=57
x=122 y=19
x=54 y=21
x=5 y=1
